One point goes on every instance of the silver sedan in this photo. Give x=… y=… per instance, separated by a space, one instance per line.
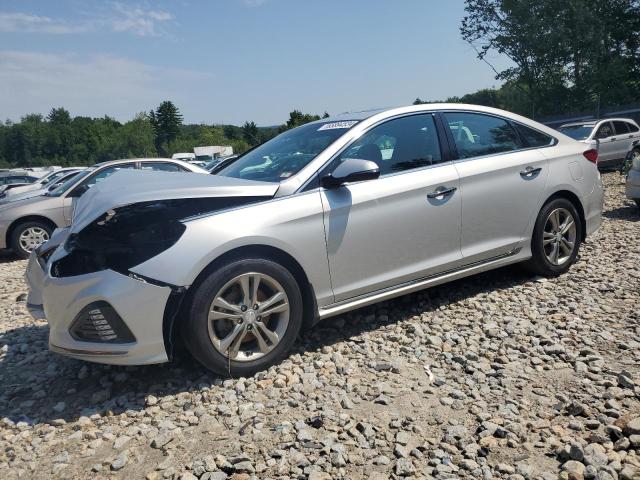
x=325 y=218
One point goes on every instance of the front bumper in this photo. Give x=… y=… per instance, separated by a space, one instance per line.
x=140 y=305
x=632 y=189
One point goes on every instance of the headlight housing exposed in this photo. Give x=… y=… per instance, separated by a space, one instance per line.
x=122 y=238
x=128 y=236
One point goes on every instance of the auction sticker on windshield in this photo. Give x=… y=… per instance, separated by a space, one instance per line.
x=334 y=125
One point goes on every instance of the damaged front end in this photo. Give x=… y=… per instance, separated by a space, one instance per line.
x=127 y=236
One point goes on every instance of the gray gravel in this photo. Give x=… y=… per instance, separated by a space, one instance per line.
x=497 y=376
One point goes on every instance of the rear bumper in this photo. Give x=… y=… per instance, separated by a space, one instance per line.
x=140 y=305
x=632 y=190
x=594 y=204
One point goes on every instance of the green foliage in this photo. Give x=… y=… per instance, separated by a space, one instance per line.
x=569 y=55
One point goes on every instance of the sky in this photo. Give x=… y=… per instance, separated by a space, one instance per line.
x=231 y=61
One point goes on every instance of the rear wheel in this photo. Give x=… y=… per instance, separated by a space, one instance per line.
x=244 y=317
x=28 y=236
x=638 y=202
x=556 y=238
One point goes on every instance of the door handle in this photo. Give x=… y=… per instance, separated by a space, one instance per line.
x=441 y=192
x=613 y=138
x=530 y=172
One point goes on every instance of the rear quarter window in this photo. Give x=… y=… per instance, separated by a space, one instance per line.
x=532 y=137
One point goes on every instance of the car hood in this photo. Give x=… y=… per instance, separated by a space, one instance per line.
x=22 y=195
x=127 y=187
x=11 y=206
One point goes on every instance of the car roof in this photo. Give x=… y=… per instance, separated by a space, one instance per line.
x=127 y=160
x=592 y=123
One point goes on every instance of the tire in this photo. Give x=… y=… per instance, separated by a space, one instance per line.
x=205 y=338
x=543 y=247
x=638 y=202
x=22 y=243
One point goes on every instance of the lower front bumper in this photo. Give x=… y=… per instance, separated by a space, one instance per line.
x=140 y=305
x=632 y=189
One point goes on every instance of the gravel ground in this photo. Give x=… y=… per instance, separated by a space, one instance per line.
x=496 y=376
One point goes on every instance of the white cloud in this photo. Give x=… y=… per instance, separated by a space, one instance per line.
x=135 y=19
x=138 y=20
x=99 y=85
x=23 y=22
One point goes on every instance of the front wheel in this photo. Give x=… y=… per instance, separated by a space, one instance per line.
x=28 y=236
x=556 y=238
x=244 y=317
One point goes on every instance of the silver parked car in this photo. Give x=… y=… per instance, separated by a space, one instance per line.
x=27 y=223
x=40 y=183
x=325 y=218
x=41 y=191
x=612 y=137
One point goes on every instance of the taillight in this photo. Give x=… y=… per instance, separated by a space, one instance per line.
x=591 y=155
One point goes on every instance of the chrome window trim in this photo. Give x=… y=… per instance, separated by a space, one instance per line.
x=553 y=143
x=368 y=129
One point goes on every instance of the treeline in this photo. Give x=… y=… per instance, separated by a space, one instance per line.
x=566 y=56
x=60 y=139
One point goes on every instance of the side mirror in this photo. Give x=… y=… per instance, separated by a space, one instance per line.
x=351 y=170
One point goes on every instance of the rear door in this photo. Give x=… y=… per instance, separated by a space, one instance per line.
x=624 y=138
x=606 y=138
x=502 y=179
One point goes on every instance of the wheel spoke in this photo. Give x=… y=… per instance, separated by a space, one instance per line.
x=260 y=338
x=231 y=343
x=222 y=303
x=255 y=284
x=263 y=306
x=555 y=220
x=566 y=226
x=271 y=335
x=218 y=315
x=566 y=245
x=555 y=253
x=548 y=238
x=246 y=289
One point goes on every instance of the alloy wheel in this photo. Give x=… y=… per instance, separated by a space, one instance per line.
x=559 y=237
x=32 y=237
x=248 y=317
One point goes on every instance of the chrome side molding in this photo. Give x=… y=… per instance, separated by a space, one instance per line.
x=410 y=287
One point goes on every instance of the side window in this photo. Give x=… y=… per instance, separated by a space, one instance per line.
x=533 y=138
x=476 y=134
x=160 y=166
x=620 y=127
x=105 y=173
x=398 y=145
x=604 y=131
x=632 y=128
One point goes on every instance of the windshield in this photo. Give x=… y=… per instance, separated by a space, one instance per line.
x=69 y=183
x=288 y=153
x=577 y=132
x=49 y=179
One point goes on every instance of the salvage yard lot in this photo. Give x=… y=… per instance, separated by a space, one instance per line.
x=499 y=374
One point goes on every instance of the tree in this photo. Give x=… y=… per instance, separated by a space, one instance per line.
x=166 y=121
x=250 y=133
x=564 y=54
x=297 y=118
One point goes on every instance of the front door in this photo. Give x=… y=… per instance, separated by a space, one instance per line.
x=398 y=228
x=607 y=146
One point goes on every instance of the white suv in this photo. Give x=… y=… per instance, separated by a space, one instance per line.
x=612 y=137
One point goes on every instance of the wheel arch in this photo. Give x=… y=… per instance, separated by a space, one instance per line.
x=25 y=219
x=267 y=252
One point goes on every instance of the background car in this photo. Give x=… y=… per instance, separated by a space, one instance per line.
x=28 y=223
x=41 y=182
x=613 y=137
x=13 y=181
x=238 y=263
x=632 y=189
x=41 y=191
